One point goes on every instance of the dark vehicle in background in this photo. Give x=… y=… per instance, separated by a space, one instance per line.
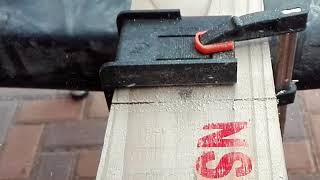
x=62 y=44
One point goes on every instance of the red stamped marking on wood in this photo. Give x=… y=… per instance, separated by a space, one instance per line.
x=217 y=139
x=224 y=166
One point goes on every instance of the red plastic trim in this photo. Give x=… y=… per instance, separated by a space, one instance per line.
x=212 y=48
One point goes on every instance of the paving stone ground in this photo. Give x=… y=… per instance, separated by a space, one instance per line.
x=302 y=137
x=45 y=135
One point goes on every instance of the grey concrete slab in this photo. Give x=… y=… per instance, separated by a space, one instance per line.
x=7 y=110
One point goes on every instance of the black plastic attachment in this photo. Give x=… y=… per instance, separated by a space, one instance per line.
x=258 y=25
x=156 y=48
x=287 y=96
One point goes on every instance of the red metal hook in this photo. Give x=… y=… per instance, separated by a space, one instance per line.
x=212 y=48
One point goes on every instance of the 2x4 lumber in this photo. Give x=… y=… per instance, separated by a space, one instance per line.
x=167 y=132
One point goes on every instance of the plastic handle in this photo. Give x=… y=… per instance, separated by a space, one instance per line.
x=257 y=25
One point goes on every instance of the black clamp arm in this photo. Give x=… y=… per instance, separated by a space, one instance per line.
x=258 y=25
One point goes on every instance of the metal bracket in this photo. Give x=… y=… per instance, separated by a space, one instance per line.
x=287 y=96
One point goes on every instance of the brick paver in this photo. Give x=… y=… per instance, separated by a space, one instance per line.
x=20 y=152
x=38 y=111
x=312 y=101
x=315 y=130
x=9 y=94
x=98 y=107
x=303 y=133
x=294 y=128
x=74 y=134
x=56 y=166
x=302 y=163
x=303 y=177
x=88 y=163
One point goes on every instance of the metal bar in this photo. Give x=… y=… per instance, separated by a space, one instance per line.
x=284 y=69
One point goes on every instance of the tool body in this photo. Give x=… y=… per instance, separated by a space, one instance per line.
x=157 y=48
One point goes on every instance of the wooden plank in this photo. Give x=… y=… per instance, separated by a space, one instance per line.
x=160 y=133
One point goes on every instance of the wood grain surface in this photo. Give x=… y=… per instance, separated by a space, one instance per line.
x=199 y=132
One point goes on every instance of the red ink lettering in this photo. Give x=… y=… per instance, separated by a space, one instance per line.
x=217 y=139
x=224 y=166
